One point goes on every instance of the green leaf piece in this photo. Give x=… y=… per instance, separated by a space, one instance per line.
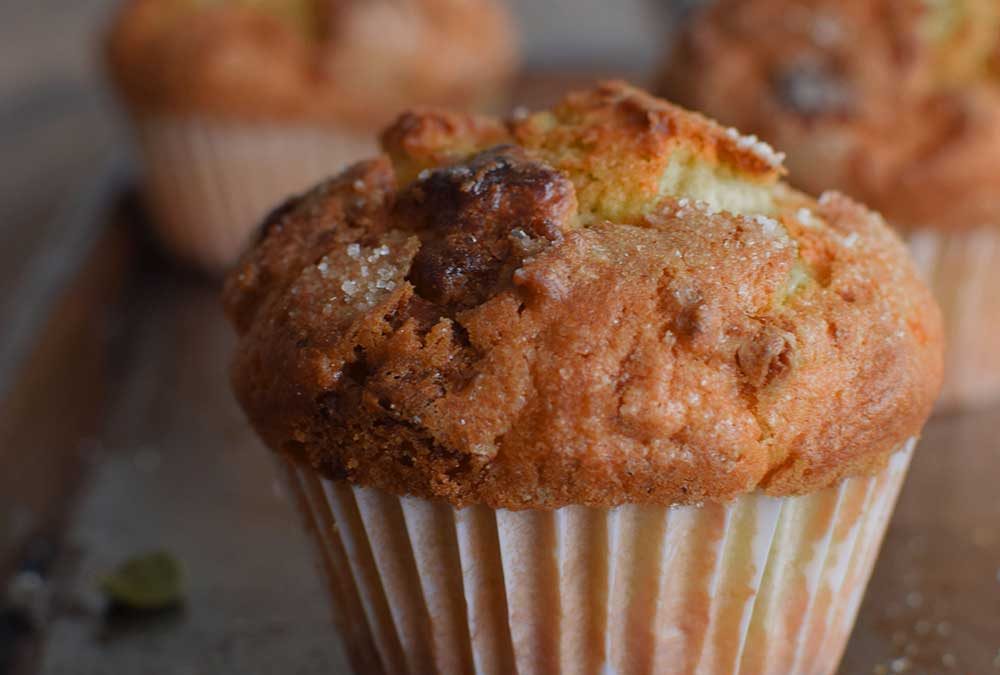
x=149 y=582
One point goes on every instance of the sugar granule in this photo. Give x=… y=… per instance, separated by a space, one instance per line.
x=757 y=147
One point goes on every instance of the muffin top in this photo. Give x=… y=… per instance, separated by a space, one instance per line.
x=615 y=301
x=355 y=62
x=893 y=101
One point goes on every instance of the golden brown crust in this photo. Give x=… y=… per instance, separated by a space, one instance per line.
x=888 y=100
x=485 y=333
x=310 y=61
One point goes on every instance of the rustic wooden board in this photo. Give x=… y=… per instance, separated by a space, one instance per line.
x=181 y=472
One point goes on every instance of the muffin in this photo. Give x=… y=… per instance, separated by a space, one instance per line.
x=894 y=102
x=588 y=390
x=237 y=103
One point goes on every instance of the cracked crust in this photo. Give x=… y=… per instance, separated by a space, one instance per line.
x=615 y=301
x=315 y=61
x=891 y=101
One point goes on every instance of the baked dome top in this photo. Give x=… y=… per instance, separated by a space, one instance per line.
x=894 y=102
x=320 y=61
x=615 y=301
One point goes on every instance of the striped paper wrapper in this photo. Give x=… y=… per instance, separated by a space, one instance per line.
x=963 y=271
x=759 y=586
x=210 y=184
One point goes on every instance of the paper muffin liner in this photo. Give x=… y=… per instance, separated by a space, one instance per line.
x=963 y=271
x=760 y=586
x=210 y=183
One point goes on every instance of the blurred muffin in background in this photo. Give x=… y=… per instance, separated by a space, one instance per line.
x=895 y=102
x=238 y=103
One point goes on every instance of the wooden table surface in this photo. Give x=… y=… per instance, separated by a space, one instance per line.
x=118 y=434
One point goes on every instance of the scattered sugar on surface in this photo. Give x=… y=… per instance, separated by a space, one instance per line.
x=706 y=207
x=900 y=665
x=350 y=287
x=353 y=278
x=807 y=218
x=745 y=293
x=770 y=226
x=922 y=636
x=757 y=147
x=522 y=237
x=686 y=207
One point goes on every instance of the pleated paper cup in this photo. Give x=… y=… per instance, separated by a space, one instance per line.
x=210 y=183
x=962 y=269
x=760 y=586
